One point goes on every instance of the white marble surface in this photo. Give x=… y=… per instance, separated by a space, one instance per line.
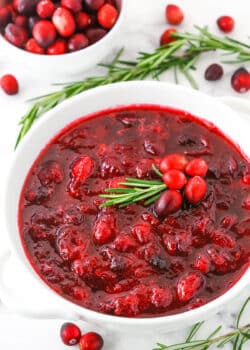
x=145 y=22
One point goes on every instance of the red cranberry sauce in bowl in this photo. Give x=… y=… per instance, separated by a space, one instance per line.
x=129 y=261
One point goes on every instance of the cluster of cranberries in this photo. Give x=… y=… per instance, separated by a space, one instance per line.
x=240 y=80
x=56 y=27
x=71 y=335
x=176 y=168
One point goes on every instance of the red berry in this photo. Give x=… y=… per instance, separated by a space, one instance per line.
x=59 y=47
x=94 y=5
x=213 y=72
x=32 y=46
x=166 y=37
x=197 y=166
x=95 y=34
x=174 y=14
x=44 y=33
x=45 y=8
x=70 y=334
x=241 y=82
x=170 y=201
x=189 y=285
x=107 y=16
x=174 y=179
x=72 y=5
x=225 y=23
x=5 y=17
x=195 y=189
x=9 y=84
x=25 y=7
x=82 y=168
x=91 y=341
x=202 y=263
x=21 y=21
x=82 y=20
x=173 y=161
x=77 y=42
x=16 y=35
x=105 y=229
x=64 y=22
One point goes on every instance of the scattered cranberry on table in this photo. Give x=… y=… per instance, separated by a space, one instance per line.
x=225 y=23
x=240 y=80
x=70 y=334
x=167 y=37
x=214 y=72
x=9 y=84
x=80 y=22
x=174 y=14
x=91 y=341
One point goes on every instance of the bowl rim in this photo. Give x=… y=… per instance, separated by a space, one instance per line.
x=201 y=311
x=88 y=50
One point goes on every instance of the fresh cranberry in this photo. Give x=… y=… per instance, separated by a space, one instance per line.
x=70 y=334
x=16 y=35
x=77 y=42
x=195 y=189
x=167 y=37
x=72 y=5
x=174 y=179
x=59 y=47
x=214 y=72
x=225 y=23
x=5 y=17
x=189 y=285
x=44 y=33
x=45 y=8
x=21 y=21
x=64 y=22
x=91 y=341
x=94 y=4
x=241 y=82
x=170 y=201
x=26 y=7
x=173 y=161
x=82 y=20
x=174 y=14
x=9 y=84
x=33 y=47
x=197 y=166
x=107 y=16
x=82 y=168
x=95 y=34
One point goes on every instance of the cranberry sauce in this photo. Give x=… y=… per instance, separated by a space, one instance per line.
x=126 y=261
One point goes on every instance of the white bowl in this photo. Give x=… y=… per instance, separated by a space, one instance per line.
x=94 y=100
x=70 y=64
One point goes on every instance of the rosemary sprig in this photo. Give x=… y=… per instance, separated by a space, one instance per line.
x=180 y=54
x=238 y=337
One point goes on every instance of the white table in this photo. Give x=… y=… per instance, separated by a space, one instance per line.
x=145 y=23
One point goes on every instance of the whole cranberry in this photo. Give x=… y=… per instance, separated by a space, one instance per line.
x=21 y=21
x=9 y=84
x=235 y=82
x=82 y=20
x=95 y=34
x=77 y=42
x=173 y=161
x=94 y=5
x=16 y=35
x=32 y=21
x=241 y=81
x=174 y=179
x=91 y=341
x=213 y=72
x=45 y=8
x=26 y=7
x=174 y=14
x=225 y=23
x=195 y=189
x=72 y=5
x=107 y=16
x=197 y=166
x=59 y=47
x=166 y=36
x=33 y=47
x=64 y=22
x=170 y=201
x=44 y=33
x=5 y=16
x=70 y=334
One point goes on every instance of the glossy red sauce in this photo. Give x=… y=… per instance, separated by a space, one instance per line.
x=148 y=266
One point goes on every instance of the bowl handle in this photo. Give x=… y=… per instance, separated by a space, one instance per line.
x=14 y=302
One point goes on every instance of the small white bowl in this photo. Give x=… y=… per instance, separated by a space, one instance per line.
x=70 y=64
x=119 y=94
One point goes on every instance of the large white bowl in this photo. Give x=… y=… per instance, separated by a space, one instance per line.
x=70 y=64
x=102 y=98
